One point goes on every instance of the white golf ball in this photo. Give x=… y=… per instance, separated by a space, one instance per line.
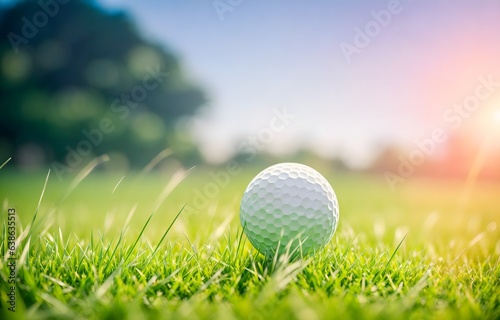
x=289 y=204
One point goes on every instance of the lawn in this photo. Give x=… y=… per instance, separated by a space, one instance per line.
x=119 y=246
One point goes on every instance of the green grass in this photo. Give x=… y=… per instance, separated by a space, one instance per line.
x=114 y=248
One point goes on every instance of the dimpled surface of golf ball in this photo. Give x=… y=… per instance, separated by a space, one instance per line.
x=289 y=204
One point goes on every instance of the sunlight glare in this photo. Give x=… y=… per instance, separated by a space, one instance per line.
x=497 y=115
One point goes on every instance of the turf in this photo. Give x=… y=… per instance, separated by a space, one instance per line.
x=137 y=247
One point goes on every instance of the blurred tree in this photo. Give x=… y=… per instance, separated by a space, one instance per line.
x=455 y=158
x=78 y=81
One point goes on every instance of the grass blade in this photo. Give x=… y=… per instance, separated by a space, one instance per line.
x=6 y=161
x=166 y=232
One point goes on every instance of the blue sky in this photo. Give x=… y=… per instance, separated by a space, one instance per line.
x=267 y=55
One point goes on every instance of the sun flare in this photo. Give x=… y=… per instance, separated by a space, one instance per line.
x=496 y=115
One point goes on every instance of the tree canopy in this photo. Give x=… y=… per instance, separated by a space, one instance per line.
x=78 y=80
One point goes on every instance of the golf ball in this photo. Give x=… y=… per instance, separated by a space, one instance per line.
x=289 y=206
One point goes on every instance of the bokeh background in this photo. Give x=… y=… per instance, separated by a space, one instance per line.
x=394 y=90
x=362 y=83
